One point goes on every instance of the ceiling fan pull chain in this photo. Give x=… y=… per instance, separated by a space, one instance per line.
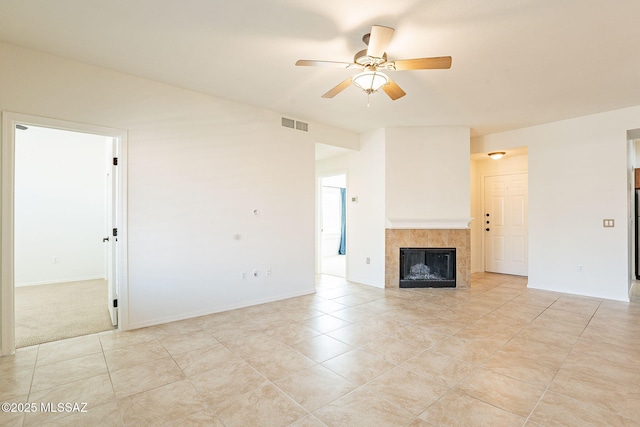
x=368 y=98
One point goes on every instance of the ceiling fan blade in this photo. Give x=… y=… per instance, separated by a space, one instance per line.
x=336 y=90
x=314 y=63
x=393 y=90
x=379 y=40
x=438 y=62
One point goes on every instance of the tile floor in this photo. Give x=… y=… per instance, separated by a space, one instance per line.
x=497 y=354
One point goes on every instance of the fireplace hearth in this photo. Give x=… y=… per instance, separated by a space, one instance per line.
x=427 y=267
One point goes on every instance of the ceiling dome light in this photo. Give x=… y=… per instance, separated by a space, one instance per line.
x=370 y=81
x=497 y=155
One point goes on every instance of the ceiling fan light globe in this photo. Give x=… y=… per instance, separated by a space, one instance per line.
x=370 y=81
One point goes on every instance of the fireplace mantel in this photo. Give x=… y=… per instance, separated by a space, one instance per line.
x=428 y=224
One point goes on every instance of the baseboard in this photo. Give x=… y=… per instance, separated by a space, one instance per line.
x=51 y=282
x=169 y=319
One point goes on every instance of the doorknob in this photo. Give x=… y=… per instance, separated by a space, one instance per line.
x=106 y=239
x=487 y=229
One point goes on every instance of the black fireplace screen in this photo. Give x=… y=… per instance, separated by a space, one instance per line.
x=427 y=267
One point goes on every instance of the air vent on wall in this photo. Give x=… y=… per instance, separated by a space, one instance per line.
x=288 y=123
x=302 y=126
x=294 y=124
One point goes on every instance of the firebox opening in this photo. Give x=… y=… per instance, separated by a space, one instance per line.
x=427 y=267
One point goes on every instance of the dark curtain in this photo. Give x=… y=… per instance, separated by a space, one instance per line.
x=343 y=222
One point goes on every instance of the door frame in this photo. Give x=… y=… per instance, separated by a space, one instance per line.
x=484 y=209
x=7 y=280
x=319 y=210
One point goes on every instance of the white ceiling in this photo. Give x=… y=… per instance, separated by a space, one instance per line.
x=515 y=63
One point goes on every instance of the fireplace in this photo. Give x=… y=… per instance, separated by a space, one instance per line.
x=427 y=267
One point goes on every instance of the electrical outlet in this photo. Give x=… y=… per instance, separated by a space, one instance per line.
x=580 y=268
x=268 y=272
x=243 y=275
x=56 y=260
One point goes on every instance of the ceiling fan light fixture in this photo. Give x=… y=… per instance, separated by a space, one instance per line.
x=370 y=81
x=497 y=155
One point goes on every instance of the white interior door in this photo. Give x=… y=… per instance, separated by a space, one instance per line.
x=506 y=224
x=111 y=227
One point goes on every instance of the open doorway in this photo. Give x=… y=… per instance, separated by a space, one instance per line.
x=63 y=194
x=333 y=225
x=60 y=234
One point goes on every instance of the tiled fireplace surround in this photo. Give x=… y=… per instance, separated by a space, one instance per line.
x=396 y=238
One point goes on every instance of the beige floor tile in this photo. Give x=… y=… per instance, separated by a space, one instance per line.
x=107 y=415
x=456 y=410
x=361 y=408
x=522 y=367
x=439 y=368
x=255 y=345
x=353 y=314
x=619 y=352
x=558 y=410
x=199 y=419
x=279 y=363
x=15 y=384
x=145 y=376
x=301 y=314
x=176 y=328
x=126 y=357
x=551 y=355
x=315 y=387
x=160 y=405
x=225 y=380
x=67 y=371
x=111 y=340
x=328 y=306
x=188 y=341
x=355 y=335
x=12 y=419
x=419 y=336
x=22 y=359
x=506 y=393
x=393 y=350
x=325 y=323
x=566 y=316
x=472 y=351
x=308 y=421
x=383 y=324
x=321 y=348
x=71 y=348
x=265 y=406
x=358 y=366
x=203 y=359
x=95 y=392
x=292 y=333
x=577 y=304
x=621 y=399
x=604 y=369
x=406 y=389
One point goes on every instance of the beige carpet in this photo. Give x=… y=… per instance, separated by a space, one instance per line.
x=62 y=310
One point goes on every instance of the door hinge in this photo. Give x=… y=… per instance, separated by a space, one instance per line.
x=115 y=232
x=115 y=161
x=115 y=303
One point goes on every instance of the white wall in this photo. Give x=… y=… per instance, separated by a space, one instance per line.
x=366 y=217
x=577 y=178
x=480 y=169
x=59 y=206
x=198 y=167
x=427 y=173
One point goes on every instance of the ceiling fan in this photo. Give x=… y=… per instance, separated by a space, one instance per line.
x=373 y=59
